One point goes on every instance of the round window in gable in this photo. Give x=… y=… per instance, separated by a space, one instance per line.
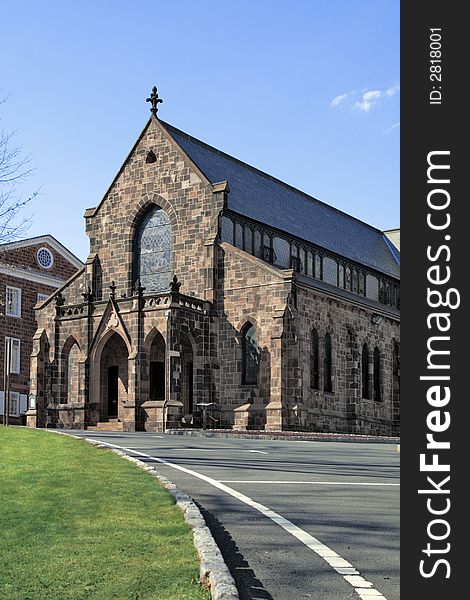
x=45 y=258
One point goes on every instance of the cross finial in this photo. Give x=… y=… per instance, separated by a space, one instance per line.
x=112 y=287
x=155 y=100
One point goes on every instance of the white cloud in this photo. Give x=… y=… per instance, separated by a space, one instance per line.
x=394 y=89
x=369 y=99
x=337 y=101
x=389 y=129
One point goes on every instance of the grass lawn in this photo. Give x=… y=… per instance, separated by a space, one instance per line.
x=78 y=522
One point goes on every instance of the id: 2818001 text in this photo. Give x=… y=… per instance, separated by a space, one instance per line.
x=435 y=65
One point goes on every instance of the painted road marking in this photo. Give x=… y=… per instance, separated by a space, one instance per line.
x=364 y=588
x=217 y=449
x=309 y=482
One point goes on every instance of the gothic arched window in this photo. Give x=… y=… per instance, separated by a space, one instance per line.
x=327 y=371
x=97 y=282
x=152 y=251
x=250 y=355
x=377 y=393
x=365 y=372
x=314 y=361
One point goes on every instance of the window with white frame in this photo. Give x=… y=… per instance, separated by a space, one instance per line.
x=42 y=297
x=13 y=302
x=15 y=355
x=14 y=404
x=45 y=258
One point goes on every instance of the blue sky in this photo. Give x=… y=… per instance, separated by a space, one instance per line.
x=306 y=90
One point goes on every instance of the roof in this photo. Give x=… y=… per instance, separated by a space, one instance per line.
x=264 y=198
x=44 y=239
x=394 y=236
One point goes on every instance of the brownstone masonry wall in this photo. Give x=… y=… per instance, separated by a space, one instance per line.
x=174 y=185
x=249 y=290
x=350 y=327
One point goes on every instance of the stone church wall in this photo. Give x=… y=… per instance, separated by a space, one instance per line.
x=249 y=290
x=350 y=327
x=172 y=183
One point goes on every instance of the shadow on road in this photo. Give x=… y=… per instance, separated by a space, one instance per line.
x=249 y=587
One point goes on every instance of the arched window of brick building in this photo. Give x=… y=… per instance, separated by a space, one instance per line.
x=152 y=251
x=327 y=365
x=365 y=372
x=377 y=382
x=250 y=355
x=314 y=361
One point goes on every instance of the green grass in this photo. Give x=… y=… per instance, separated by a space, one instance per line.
x=78 y=522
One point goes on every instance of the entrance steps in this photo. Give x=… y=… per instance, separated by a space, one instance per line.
x=111 y=425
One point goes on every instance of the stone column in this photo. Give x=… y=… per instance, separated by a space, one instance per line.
x=353 y=380
x=395 y=408
x=37 y=365
x=275 y=410
x=129 y=405
x=173 y=410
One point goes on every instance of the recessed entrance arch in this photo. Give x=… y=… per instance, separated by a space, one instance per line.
x=114 y=377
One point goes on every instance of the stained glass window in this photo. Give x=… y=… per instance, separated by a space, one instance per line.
x=250 y=355
x=227 y=230
x=153 y=251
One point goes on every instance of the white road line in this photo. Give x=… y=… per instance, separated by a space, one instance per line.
x=308 y=482
x=201 y=449
x=217 y=449
x=364 y=588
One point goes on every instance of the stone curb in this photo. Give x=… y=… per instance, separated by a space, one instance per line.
x=285 y=437
x=213 y=572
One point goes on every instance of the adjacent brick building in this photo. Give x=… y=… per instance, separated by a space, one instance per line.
x=283 y=312
x=30 y=271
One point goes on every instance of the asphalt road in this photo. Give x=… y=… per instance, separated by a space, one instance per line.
x=344 y=497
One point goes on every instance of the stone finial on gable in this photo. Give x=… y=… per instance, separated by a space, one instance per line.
x=154 y=100
x=175 y=284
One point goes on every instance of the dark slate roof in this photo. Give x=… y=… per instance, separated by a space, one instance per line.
x=259 y=196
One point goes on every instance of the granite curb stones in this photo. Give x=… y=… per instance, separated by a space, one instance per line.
x=213 y=572
x=286 y=436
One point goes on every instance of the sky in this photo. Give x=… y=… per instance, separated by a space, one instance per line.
x=306 y=90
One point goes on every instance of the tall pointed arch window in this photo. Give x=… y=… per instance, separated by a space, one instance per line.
x=365 y=372
x=250 y=355
x=327 y=365
x=152 y=251
x=377 y=379
x=314 y=361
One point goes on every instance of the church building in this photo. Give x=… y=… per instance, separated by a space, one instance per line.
x=213 y=288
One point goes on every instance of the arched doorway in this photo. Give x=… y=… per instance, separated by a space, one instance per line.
x=157 y=379
x=113 y=377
